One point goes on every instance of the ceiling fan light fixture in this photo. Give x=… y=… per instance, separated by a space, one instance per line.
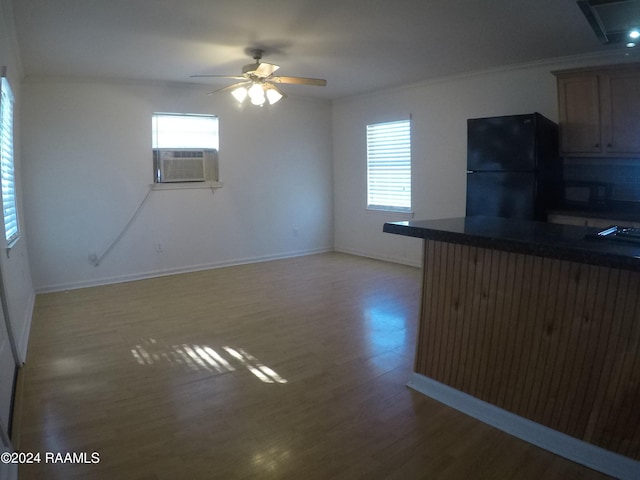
x=240 y=94
x=256 y=94
x=273 y=95
x=257 y=82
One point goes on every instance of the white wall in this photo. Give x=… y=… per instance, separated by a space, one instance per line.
x=87 y=167
x=15 y=266
x=439 y=111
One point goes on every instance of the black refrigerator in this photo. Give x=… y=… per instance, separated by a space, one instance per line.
x=513 y=169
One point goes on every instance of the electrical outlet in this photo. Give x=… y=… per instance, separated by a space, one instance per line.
x=295 y=231
x=93 y=259
x=159 y=247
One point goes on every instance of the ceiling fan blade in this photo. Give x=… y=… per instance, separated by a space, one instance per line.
x=229 y=87
x=265 y=69
x=235 y=77
x=299 y=81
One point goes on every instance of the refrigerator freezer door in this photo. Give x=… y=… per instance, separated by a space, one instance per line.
x=503 y=194
x=501 y=143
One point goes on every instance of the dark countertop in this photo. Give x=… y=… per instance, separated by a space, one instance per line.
x=565 y=242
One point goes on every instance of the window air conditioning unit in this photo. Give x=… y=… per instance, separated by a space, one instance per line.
x=184 y=165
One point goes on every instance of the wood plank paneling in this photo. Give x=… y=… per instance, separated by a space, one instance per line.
x=554 y=341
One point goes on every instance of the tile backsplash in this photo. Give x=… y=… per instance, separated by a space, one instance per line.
x=623 y=175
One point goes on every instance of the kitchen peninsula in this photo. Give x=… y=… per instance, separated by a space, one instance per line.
x=534 y=328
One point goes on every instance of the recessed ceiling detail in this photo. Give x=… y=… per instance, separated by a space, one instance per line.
x=613 y=21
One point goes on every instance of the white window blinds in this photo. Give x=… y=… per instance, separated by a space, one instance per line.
x=173 y=130
x=389 y=166
x=7 y=171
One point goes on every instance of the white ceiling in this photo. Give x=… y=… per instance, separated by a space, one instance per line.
x=357 y=45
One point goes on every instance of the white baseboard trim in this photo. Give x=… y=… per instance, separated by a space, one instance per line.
x=174 y=271
x=586 y=454
x=384 y=258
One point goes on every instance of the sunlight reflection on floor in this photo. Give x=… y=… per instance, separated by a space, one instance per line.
x=271 y=459
x=386 y=328
x=202 y=358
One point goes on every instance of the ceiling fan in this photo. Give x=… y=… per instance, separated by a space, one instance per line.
x=258 y=83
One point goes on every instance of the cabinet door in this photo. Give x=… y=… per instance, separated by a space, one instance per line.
x=621 y=112
x=579 y=107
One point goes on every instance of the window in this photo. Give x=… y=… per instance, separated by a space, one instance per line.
x=389 y=166
x=9 y=210
x=173 y=130
x=185 y=148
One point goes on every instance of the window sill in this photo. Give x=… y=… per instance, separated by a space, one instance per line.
x=390 y=214
x=185 y=185
x=12 y=244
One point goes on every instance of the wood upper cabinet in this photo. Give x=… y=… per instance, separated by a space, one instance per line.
x=600 y=111
x=579 y=107
x=621 y=112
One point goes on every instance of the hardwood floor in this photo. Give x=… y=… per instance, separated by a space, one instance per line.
x=288 y=369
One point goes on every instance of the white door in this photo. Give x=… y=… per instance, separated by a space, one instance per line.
x=8 y=469
x=7 y=375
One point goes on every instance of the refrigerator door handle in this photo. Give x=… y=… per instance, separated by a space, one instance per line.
x=470 y=171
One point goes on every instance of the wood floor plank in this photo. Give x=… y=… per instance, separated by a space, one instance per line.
x=294 y=368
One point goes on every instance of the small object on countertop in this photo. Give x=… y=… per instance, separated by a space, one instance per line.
x=614 y=232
